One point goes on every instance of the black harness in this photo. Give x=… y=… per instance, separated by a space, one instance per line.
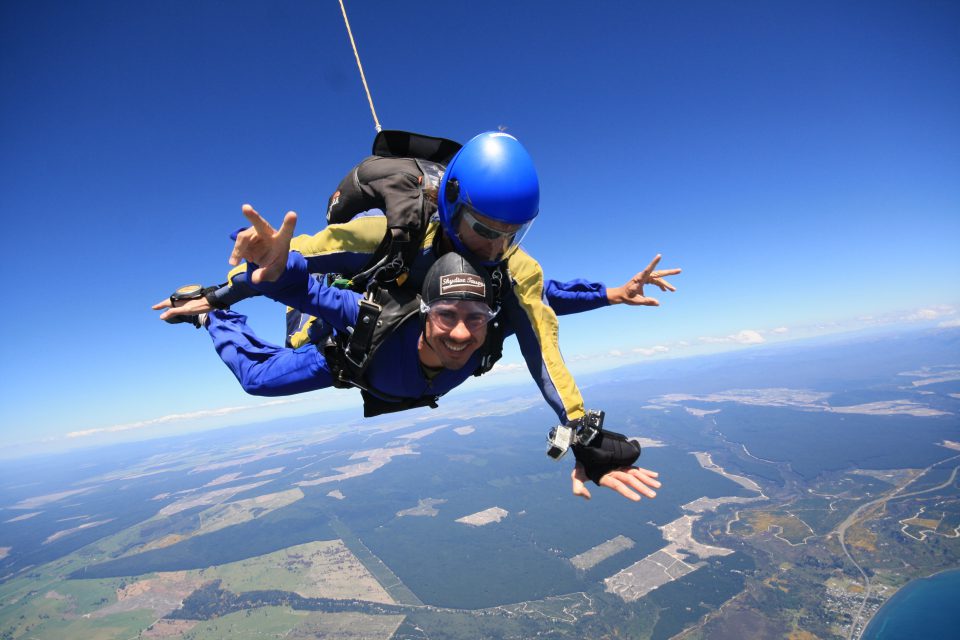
x=370 y=185
x=385 y=304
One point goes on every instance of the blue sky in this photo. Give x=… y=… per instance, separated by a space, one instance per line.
x=799 y=160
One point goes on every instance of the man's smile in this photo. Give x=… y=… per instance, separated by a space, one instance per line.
x=454 y=346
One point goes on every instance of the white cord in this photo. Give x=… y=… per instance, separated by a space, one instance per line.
x=376 y=122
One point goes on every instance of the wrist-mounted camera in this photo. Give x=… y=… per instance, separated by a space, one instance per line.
x=580 y=431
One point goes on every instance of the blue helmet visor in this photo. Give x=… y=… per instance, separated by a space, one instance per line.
x=490 y=240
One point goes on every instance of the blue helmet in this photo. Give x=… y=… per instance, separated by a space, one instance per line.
x=489 y=196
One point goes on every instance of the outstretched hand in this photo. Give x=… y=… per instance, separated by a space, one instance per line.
x=188 y=308
x=264 y=245
x=626 y=481
x=631 y=293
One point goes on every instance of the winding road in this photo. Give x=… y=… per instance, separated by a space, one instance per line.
x=852 y=519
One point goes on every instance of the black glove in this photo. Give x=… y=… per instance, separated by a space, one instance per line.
x=607 y=451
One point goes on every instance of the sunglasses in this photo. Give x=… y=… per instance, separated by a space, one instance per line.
x=483 y=230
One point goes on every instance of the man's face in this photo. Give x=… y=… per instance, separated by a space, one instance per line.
x=486 y=238
x=454 y=331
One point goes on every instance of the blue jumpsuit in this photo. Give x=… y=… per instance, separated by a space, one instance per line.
x=527 y=307
x=270 y=370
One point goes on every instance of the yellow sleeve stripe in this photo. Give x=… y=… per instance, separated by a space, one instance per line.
x=529 y=291
x=240 y=268
x=301 y=337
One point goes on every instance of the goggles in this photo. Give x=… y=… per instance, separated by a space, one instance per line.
x=489 y=244
x=447 y=314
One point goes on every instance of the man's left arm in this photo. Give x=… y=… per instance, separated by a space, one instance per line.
x=538 y=332
x=537 y=329
x=575 y=296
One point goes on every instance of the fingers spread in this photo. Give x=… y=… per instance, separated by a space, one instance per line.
x=639 y=483
x=651 y=266
x=234 y=259
x=241 y=245
x=289 y=224
x=261 y=225
x=612 y=481
x=663 y=284
x=649 y=478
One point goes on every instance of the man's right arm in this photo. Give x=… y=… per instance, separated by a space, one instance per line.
x=339 y=248
x=295 y=288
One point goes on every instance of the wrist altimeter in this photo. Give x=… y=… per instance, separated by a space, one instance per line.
x=195 y=292
x=186 y=293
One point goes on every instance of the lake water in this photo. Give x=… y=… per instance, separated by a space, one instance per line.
x=924 y=608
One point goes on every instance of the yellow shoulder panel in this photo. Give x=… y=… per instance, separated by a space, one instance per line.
x=360 y=235
x=433 y=228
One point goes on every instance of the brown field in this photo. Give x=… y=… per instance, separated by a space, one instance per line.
x=168 y=629
x=862 y=538
x=925 y=523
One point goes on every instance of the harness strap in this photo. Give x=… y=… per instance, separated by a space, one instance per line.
x=358 y=349
x=366 y=279
x=492 y=349
x=348 y=356
x=374 y=405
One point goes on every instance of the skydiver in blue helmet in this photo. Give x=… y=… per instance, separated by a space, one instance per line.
x=487 y=199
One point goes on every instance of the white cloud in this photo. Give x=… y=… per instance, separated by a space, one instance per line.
x=949 y=323
x=651 y=351
x=506 y=367
x=747 y=336
x=930 y=313
x=923 y=314
x=178 y=417
x=616 y=353
x=780 y=330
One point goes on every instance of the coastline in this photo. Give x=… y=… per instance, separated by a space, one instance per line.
x=913 y=583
